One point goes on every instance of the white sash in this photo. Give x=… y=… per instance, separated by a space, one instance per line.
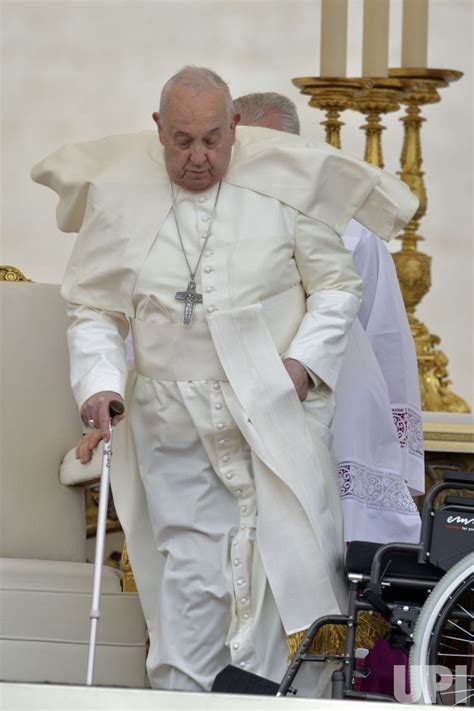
x=300 y=522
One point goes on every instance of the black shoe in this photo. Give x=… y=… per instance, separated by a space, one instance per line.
x=232 y=680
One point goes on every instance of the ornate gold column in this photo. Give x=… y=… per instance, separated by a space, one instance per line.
x=379 y=96
x=373 y=97
x=333 y=96
x=414 y=267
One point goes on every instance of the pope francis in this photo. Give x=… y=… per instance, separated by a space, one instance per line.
x=223 y=257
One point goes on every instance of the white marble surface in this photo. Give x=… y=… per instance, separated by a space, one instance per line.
x=35 y=697
x=449 y=418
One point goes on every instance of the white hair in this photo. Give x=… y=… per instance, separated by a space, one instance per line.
x=253 y=107
x=198 y=79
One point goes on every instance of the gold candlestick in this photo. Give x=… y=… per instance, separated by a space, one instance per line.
x=379 y=96
x=373 y=96
x=332 y=95
x=414 y=267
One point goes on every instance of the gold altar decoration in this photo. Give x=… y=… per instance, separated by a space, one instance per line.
x=128 y=579
x=379 y=96
x=333 y=96
x=414 y=267
x=92 y=493
x=9 y=273
x=374 y=97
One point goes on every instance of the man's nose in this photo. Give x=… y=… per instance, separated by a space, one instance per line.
x=198 y=155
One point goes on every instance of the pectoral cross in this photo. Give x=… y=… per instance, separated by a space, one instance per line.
x=190 y=297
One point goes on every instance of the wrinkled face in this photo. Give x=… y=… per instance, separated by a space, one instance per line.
x=197 y=135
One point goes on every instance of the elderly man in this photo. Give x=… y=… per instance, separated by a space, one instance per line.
x=377 y=428
x=240 y=295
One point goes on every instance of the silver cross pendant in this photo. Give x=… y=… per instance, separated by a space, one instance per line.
x=190 y=298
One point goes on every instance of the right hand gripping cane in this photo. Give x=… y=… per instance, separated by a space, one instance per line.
x=115 y=408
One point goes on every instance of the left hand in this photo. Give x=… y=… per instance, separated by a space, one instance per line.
x=86 y=446
x=298 y=375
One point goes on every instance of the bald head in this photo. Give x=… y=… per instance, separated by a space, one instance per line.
x=196 y=126
x=195 y=81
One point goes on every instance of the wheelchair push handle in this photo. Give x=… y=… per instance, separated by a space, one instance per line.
x=459 y=481
x=451 y=480
x=461 y=477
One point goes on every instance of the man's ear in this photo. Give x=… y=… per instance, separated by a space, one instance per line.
x=156 y=119
x=234 y=122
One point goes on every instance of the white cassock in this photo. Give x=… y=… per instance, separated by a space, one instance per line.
x=376 y=431
x=377 y=426
x=232 y=501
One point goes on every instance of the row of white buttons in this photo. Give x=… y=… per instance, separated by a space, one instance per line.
x=241 y=582
x=209 y=289
x=202 y=200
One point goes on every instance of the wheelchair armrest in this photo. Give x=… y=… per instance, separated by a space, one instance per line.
x=461 y=477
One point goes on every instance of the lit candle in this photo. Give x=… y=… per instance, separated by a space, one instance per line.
x=333 y=38
x=375 y=38
x=415 y=33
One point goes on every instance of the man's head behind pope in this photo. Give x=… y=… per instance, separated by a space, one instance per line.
x=196 y=125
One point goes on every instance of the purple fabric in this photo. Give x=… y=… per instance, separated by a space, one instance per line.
x=381 y=660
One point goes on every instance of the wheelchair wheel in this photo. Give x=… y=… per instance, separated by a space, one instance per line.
x=442 y=655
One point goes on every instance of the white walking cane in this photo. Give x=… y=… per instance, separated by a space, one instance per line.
x=115 y=408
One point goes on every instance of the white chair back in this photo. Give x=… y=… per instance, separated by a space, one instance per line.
x=39 y=423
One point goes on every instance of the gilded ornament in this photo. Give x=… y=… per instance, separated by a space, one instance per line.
x=414 y=276
x=332 y=96
x=414 y=267
x=9 y=273
x=128 y=579
x=375 y=97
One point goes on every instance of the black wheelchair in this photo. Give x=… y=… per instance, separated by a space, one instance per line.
x=423 y=592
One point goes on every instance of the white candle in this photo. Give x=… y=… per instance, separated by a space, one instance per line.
x=333 y=38
x=415 y=33
x=375 y=38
